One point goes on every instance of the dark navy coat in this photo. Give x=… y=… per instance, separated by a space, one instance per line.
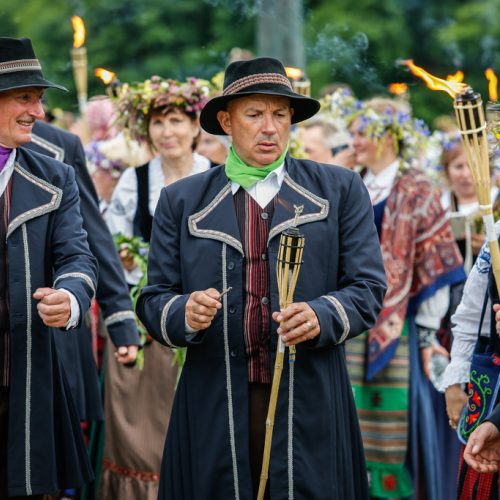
x=47 y=247
x=317 y=450
x=112 y=290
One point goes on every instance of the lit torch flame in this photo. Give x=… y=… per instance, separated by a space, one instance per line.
x=457 y=77
x=78 y=31
x=451 y=87
x=106 y=76
x=492 y=84
x=398 y=88
x=294 y=73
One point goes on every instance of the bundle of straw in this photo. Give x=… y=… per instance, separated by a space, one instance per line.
x=472 y=124
x=291 y=247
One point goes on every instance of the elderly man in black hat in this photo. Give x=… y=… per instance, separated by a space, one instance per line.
x=219 y=231
x=47 y=280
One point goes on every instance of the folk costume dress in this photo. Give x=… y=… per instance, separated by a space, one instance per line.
x=137 y=402
x=392 y=395
x=465 y=331
x=196 y=243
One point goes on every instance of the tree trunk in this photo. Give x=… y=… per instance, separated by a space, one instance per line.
x=280 y=32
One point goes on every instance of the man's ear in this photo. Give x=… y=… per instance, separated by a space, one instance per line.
x=225 y=121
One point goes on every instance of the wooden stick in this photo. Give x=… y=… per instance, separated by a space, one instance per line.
x=287 y=273
x=271 y=412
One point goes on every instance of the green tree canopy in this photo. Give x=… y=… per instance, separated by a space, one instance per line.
x=358 y=44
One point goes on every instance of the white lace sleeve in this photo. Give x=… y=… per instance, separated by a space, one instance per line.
x=121 y=211
x=466 y=322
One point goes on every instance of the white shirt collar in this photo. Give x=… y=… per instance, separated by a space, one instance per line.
x=277 y=173
x=265 y=190
x=379 y=186
x=7 y=171
x=384 y=178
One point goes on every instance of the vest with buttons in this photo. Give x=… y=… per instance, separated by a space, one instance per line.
x=254 y=224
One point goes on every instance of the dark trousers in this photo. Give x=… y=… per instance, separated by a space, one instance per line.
x=4 y=426
x=258 y=402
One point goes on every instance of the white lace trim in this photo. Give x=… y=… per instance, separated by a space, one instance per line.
x=455 y=373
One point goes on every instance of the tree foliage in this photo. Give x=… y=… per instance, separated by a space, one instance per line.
x=358 y=44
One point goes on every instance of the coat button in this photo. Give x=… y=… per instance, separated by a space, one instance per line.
x=264 y=300
x=230 y=265
x=264 y=256
x=233 y=354
x=264 y=215
x=232 y=310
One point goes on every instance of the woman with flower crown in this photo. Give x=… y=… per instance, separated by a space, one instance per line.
x=138 y=401
x=390 y=364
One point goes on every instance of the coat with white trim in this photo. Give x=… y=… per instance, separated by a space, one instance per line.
x=317 y=451
x=46 y=247
x=112 y=293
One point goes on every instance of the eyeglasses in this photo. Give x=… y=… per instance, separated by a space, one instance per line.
x=337 y=149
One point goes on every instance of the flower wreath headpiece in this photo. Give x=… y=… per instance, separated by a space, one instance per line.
x=134 y=101
x=409 y=134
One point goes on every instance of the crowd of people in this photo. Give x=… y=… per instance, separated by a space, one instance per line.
x=140 y=312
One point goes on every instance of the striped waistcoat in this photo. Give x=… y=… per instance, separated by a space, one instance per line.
x=254 y=223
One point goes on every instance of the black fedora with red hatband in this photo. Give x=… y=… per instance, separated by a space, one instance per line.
x=263 y=75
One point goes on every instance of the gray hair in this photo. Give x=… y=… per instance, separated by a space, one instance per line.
x=334 y=136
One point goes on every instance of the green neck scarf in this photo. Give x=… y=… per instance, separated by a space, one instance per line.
x=245 y=175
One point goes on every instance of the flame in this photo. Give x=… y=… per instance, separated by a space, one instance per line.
x=457 y=77
x=452 y=88
x=106 y=76
x=492 y=84
x=398 y=88
x=78 y=31
x=294 y=73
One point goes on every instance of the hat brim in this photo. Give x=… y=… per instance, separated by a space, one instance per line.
x=26 y=79
x=303 y=108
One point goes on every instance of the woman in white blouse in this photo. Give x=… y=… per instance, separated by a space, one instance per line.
x=172 y=134
x=465 y=330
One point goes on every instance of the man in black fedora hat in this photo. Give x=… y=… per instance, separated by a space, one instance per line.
x=219 y=232
x=47 y=280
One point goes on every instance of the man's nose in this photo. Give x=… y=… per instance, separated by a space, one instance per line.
x=268 y=124
x=37 y=110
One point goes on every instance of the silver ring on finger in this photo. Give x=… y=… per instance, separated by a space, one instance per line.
x=309 y=325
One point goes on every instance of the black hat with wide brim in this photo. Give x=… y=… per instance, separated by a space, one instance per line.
x=19 y=67
x=263 y=75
